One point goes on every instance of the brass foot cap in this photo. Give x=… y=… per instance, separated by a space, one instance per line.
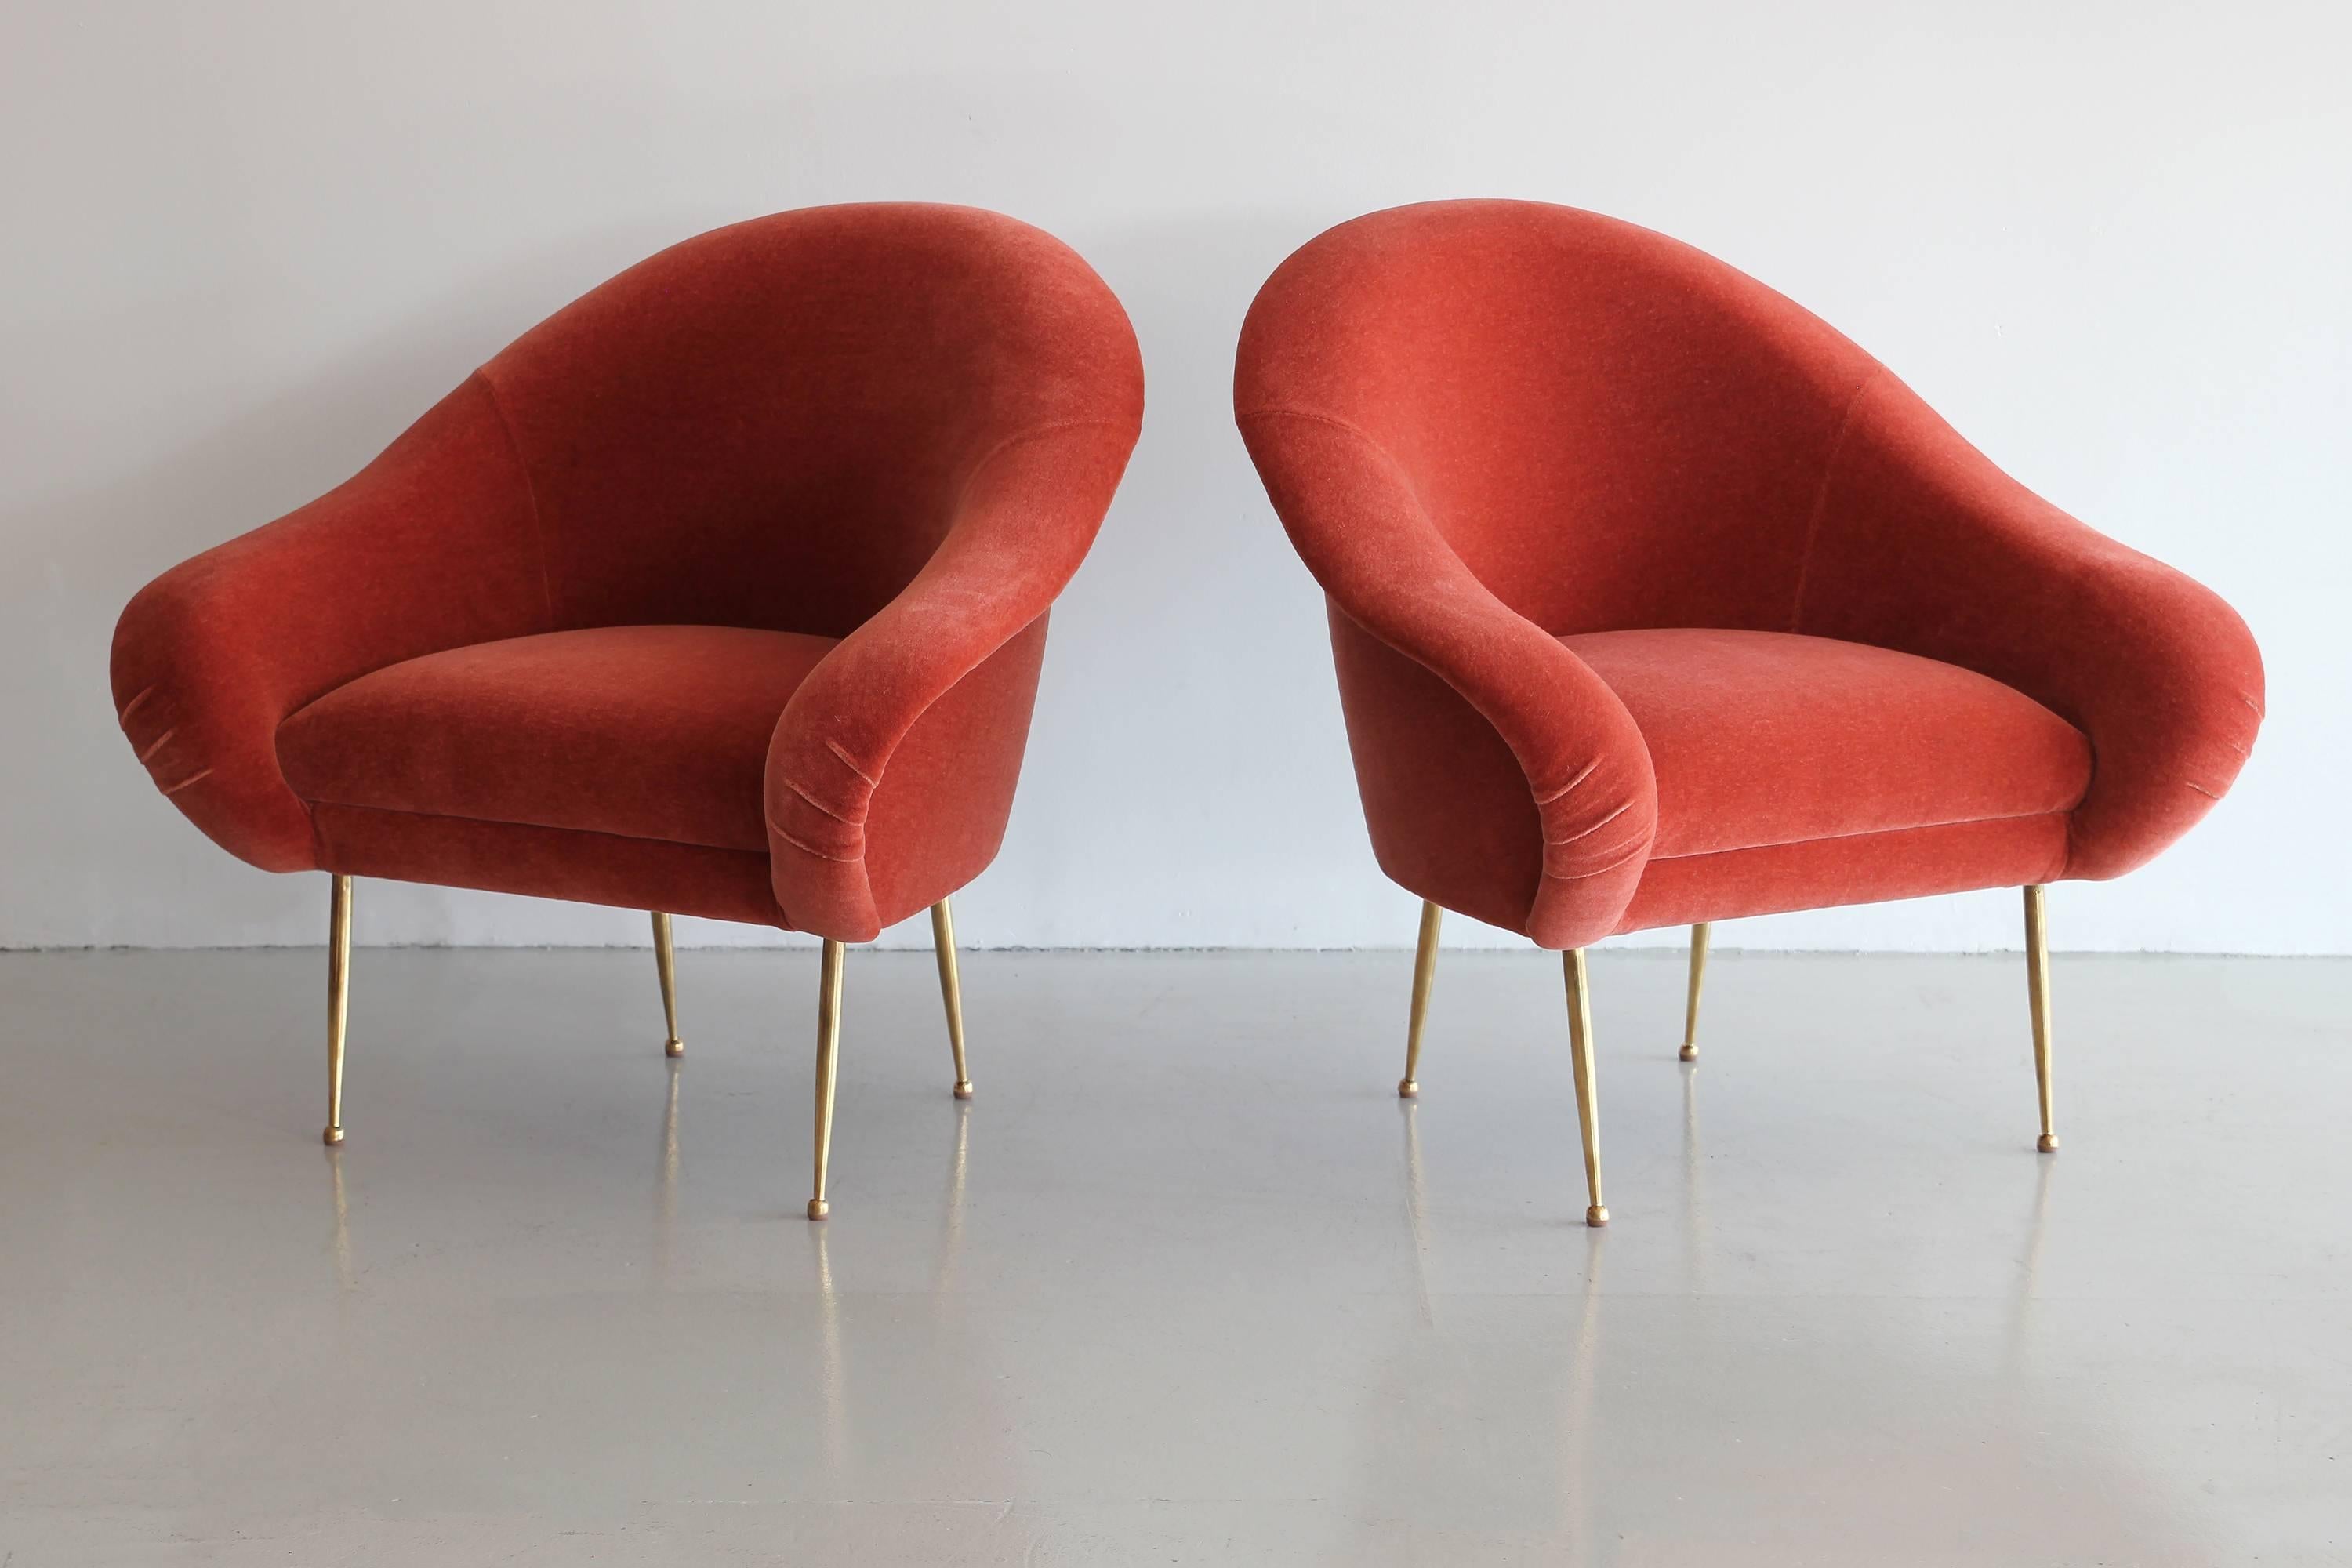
x=332 y=1135
x=1408 y=1088
x=2049 y=1144
x=1597 y=1215
x=673 y=1048
x=1688 y=1053
x=963 y=1089
x=818 y=1208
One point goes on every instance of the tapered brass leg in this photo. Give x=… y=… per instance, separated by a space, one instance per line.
x=338 y=995
x=828 y=1046
x=1587 y=1092
x=951 y=989
x=666 y=963
x=2037 y=993
x=1697 y=978
x=1424 y=975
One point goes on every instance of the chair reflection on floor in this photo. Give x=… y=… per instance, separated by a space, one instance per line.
x=345 y=1279
x=1577 y=1414
x=1437 y=1358
x=835 y=1380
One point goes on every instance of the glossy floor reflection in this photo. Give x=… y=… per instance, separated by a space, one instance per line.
x=1186 y=1282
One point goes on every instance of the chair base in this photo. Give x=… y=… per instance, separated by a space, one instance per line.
x=1424 y=976
x=1699 y=935
x=665 y=966
x=1579 y=1020
x=339 y=965
x=828 y=1027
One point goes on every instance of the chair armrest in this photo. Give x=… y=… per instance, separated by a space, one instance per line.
x=1028 y=511
x=1351 y=511
x=1923 y=546
x=433 y=545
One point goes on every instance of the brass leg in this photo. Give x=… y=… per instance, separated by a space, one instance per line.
x=666 y=963
x=338 y=995
x=1424 y=975
x=828 y=1046
x=2037 y=993
x=1588 y=1093
x=951 y=989
x=1697 y=977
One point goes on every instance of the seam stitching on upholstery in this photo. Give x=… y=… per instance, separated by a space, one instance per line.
x=835 y=747
x=820 y=805
x=1580 y=778
x=2064 y=813
x=1029 y=432
x=758 y=855
x=1403 y=474
x=1638 y=851
x=530 y=494
x=807 y=848
x=2066 y=854
x=309 y=807
x=1821 y=495
x=536 y=826
x=1596 y=827
x=1286 y=411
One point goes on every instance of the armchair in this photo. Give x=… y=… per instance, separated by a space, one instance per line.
x=722 y=592
x=1654 y=601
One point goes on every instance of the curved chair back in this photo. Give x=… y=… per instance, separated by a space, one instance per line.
x=1610 y=428
x=772 y=425
x=1490 y=425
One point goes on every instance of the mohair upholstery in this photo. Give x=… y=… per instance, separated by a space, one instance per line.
x=1655 y=600
x=722 y=591
x=654 y=733
x=1761 y=737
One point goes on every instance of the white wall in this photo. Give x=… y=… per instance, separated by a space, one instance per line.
x=243 y=243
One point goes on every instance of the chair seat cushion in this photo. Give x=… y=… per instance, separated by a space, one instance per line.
x=654 y=733
x=1763 y=738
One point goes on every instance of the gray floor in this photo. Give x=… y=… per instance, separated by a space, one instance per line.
x=1186 y=1283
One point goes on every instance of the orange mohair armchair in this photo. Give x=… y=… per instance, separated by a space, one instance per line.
x=1654 y=601
x=722 y=592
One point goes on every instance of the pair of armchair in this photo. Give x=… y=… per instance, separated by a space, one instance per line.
x=724 y=592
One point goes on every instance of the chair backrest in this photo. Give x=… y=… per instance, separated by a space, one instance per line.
x=1610 y=428
x=770 y=425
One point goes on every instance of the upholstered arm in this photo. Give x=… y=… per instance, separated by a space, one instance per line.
x=1027 y=512
x=432 y=545
x=1925 y=546
x=1586 y=768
